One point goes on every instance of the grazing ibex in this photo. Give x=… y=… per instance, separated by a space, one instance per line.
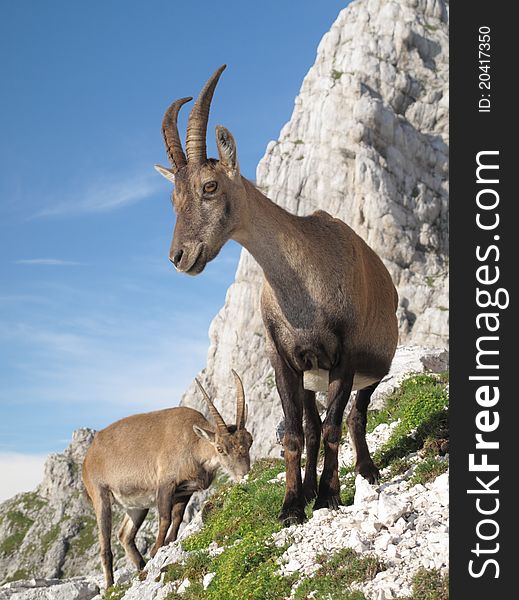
x=328 y=302
x=160 y=458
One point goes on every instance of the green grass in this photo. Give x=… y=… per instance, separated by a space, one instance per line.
x=17 y=575
x=336 y=75
x=421 y=405
x=429 y=584
x=428 y=470
x=247 y=569
x=86 y=537
x=242 y=517
x=47 y=539
x=195 y=567
x=347 y=480
x=337 y=573
x=32 y=501
x=398 y=467
x=246 y=508
x=19 y=524
x=116 y=592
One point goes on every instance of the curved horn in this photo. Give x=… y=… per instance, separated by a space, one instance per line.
x=197 y=122
x=176 y=155
x=240 y=401
x=220 y=423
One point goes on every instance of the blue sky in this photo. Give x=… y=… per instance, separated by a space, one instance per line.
x=94 y=322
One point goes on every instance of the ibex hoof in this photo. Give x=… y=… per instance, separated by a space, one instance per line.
x=292 y=516
x=332 y=502
x=369 y=471
x=310 y=492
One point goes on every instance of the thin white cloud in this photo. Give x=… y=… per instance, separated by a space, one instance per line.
x=104 y=196
x=19 y=473
x=51 y=262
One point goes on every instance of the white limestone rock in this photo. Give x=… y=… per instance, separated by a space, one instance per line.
x=79 y=588
x=364 y=492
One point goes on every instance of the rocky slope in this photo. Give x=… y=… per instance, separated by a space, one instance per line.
x=51 y=532
x=367 y=141
x=392 y=531
x=399 y=529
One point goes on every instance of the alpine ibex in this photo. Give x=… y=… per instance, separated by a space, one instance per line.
x=328 y=302
x=160 y=458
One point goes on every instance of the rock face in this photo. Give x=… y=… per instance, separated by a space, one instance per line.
x=367 y=142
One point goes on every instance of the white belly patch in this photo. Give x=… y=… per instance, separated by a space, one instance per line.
x=135 y=500
x=317 y=380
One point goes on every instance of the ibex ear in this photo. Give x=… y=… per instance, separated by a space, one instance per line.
x=227 y=150
x=205 y=434
x=165 y=172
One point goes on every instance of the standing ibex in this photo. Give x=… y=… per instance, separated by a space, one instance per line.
x=160 y=458
x=328 y=302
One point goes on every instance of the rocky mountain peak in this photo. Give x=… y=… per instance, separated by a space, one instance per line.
x=62 y=471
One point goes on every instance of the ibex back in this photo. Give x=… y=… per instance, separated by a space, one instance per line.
x=328 y=301
x=160 y=458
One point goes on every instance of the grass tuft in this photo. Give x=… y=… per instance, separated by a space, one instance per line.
x=421 y=405
x=19 y=525
x=116 y=592
x=245 y=508
x=336 y=574
x=429 y=584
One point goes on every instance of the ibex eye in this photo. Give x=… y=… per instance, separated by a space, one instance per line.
x=210 y=187
x=220 y=449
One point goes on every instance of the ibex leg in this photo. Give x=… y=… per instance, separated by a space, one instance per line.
x=103 y=508
x=338 y=394
x=313 y=427
x=357 y=428
x=164 y=505
x=290 y=387
x=129 y=528
x=179 y=508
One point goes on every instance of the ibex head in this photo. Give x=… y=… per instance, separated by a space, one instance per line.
x=231 y=442
x=207 y=191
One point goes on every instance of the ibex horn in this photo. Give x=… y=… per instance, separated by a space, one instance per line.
x=240 y=401
x=197 y=122
x=176 y=155
x=217 y=417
